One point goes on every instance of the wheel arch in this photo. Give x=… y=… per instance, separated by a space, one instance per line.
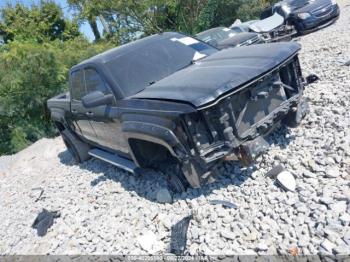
x=137 y=140
x=152 y=135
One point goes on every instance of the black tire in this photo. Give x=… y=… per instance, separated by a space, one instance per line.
x=78 y=148
x=175 y=177
x=178 y=183
x=297 y=114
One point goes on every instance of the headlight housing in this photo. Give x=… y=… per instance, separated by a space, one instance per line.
x=304 y=15
x=334 y=2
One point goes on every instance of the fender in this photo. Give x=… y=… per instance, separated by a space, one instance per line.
x=155 y=134
x=165 y=137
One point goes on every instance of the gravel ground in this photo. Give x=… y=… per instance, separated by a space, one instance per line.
x=107 y=211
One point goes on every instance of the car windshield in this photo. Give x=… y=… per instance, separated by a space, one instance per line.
x=297 y=3
x=217 y=34
x=144 y=65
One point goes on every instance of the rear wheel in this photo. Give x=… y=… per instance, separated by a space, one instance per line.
x=76 y=147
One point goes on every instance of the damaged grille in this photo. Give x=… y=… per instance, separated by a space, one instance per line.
x=248 y=113
x=323 y=11
x=253 y=105
x=253 y=110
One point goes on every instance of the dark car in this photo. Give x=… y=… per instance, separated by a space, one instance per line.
x=173 y=103
x=222 y=37
x=306 y=15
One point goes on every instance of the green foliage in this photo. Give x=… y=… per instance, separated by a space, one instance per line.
x=251 y=9
x=43 y=22
x=31 y=73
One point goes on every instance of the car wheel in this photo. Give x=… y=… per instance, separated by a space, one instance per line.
x=296 y=114
x=178 y=183
x=75 y=146
x=175 y=177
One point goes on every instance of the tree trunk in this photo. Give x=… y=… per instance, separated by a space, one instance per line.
x=94 y=29
x=104 y=24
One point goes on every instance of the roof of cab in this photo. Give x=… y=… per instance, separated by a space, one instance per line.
x=120 y=50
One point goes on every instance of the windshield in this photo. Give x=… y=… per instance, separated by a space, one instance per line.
x=218 y=34
x=144 y=65
x=297 y=3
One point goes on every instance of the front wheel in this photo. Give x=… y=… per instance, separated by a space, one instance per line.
x=175 y=177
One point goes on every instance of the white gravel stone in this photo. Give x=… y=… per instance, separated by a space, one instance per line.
x=286 y=180
x=332 y=172
x=341 y=250
x=338 y=207
x=328 y=245
x=345 y=219
x=308 y=174
x=228 y=235
x=262 y=246
x=147 y=241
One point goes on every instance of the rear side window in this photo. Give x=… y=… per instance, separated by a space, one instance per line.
x=94 y=82
x=77 y=84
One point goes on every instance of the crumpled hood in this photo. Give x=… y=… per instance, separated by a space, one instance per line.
x=224 y=71
x=267 y=24
x=236 y=40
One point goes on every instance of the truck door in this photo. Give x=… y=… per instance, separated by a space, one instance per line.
x=80 y=115
x=108 y=129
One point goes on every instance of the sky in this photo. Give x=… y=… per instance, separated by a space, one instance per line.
x=84 y=28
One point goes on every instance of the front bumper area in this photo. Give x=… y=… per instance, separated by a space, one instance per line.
x=317 y=21
x=235 y=125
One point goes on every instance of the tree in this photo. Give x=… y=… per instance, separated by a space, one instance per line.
x=43 y=22
x=41 y=46
x=87 y=10
x=249 y=10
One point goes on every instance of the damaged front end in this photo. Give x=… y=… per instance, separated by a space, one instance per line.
x=274 y=29
x=234 y=126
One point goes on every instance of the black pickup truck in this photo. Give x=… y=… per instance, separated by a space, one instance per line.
x=172 y=102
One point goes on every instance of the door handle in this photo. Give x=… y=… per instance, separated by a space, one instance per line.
x=89 y=113
x=74 y=111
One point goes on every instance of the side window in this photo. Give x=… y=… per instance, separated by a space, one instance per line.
x=77 y=85
x=94 y=82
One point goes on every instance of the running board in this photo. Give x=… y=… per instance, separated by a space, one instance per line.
x=113 y=159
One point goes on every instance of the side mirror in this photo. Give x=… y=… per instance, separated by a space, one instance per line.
x=97 y=98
